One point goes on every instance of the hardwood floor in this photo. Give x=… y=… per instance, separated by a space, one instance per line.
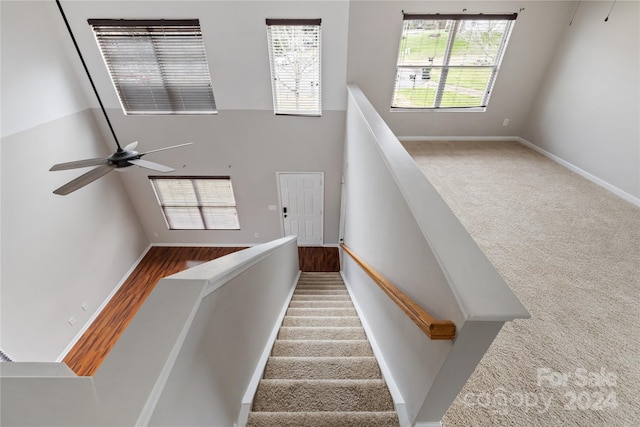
x=318 y=259
x=94 y=346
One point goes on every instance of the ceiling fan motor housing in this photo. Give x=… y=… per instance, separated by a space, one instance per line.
x=121 y=158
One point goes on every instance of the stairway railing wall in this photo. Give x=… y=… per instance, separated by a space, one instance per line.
x=398 y=223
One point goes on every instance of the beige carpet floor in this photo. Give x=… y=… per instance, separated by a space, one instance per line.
x=570 y=251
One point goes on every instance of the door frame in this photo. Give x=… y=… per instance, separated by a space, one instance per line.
x=279 y=191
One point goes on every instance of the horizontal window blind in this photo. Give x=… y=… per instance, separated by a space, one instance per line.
x=197 y=203
x=449 y=61
x=294 y=56
x=157 y=66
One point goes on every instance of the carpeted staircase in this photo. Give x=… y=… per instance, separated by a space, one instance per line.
x=322 y=372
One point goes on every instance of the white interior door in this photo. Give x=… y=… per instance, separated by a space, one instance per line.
x=301 y=206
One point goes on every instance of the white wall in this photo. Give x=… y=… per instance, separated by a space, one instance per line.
x=38 y=82
x=249 y=146
x=375 y=28
x=588 y=106
x=57 y=252
x=245 y=140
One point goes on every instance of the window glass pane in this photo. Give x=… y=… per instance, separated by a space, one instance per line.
x=294 y=53
x=465 y=87
x=183 y=218
x=176 y=192
x=477 y=42
x=424 y=42
x=416 y=87
x=215 y=192
x=221 y=218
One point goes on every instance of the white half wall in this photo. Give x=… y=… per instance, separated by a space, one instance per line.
x=587 y=109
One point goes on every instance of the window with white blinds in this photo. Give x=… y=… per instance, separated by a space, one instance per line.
x=157 y=66
x=294 y=55
x=196 y=203
x=449 y=61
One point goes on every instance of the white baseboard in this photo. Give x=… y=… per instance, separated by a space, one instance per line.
x=398 y=400
x=429 y=424
x=102 y=306
x=231 y=245
x=612 y=188
x=207 y=245
x=457 y=138
x=247 y=400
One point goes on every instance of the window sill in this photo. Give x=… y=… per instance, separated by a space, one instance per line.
x=439 y=110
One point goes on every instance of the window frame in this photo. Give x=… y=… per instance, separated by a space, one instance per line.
x=446 y=66
x=157 y=66
x=200 y=205
x=280 y=105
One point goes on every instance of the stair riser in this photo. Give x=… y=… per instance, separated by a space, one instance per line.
x=326 y=321
x=321 y=298
x=321 y=292
x=312 y=333
x=315 y=348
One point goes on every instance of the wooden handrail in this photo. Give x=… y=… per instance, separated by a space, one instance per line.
x=435 y=329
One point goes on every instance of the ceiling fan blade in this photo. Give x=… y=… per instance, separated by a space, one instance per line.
x=79 y=164
x=151 y=165
x=167 y=148
x=84 y=179
x=131 y=146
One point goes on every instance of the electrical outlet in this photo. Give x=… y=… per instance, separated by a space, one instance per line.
x=506 y=122
x=84 y=306
x=256 y=235
x=71 y=321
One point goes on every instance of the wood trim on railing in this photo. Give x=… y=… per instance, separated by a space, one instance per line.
x=435 y=329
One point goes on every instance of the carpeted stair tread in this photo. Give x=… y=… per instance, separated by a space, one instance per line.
x=322 y=368
x=321 y=321
x=282 y=395
x=321 y=312
x=321 y=304
x=323 y=419
x=325 y=333
x=321 y=348
x=320 y=279
x=343 y=297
